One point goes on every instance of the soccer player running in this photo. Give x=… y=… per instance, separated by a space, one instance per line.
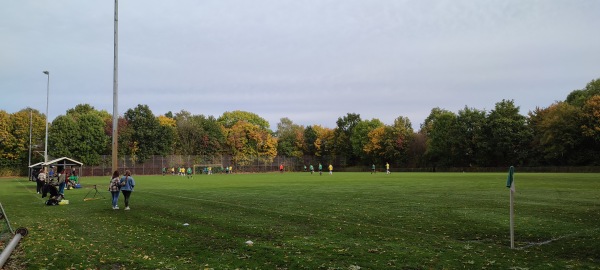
x=387 y=168
x=320 y=169
x=373 y=169
x=330 y=169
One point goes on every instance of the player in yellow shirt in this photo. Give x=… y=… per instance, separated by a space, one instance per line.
x=387 y=168
x=330 y=169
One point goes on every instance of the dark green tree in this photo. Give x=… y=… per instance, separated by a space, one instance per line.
x=398 y=137
x=509 y=137
x=578 y=98
x=290 y=138
x=389 y=144
x=360 y=138
x=439 y=128
x=79 y=134
x=90 y=141
x=124 y=136
x=590 y=114
x=470 y=138
x=342 y=134
x=417 y=146
x=591 y=130
x=310 y=137
x=62 y=137
x=188 y=132
x=146 y=133
x=199 y=135
x=557 y=138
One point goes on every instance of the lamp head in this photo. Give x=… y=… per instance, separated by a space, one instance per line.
x=46 y=72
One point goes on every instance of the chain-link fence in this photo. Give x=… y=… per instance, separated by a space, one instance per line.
x=155 y=164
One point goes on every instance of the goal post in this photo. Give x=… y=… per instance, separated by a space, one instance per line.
x=202 y=168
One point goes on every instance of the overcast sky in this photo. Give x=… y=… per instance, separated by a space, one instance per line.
x=309 y=60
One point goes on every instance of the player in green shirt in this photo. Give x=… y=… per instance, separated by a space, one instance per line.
x=189 y=172
x=320 y=169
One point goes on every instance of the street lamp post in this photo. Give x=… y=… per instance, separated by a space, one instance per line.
x=47 y=98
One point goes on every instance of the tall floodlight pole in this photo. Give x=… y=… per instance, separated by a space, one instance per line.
x=115 y=138
x=47 y=98
x=30 y=124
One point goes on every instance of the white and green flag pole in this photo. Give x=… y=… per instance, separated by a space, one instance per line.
x=510 y=183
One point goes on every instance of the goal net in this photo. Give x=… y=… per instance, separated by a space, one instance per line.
x=203 y=168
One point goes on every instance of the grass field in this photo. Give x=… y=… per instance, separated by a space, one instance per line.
x=303 y=221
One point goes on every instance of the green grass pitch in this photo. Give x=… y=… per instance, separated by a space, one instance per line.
x=303 y=221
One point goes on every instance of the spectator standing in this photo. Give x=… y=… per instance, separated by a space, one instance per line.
x=127 y=183
x=114 y=187
x=41 y=180
x=62 y=181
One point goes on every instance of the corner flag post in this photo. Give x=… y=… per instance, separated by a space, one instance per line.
x=510 y=183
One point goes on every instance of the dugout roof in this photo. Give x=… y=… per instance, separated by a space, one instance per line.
x=63 y=161
x=37 y=165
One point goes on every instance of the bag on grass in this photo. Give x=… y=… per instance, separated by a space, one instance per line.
x=52 y=202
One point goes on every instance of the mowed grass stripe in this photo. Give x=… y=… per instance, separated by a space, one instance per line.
x=373 y=206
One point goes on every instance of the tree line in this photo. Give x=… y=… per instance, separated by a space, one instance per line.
x=566 y=133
